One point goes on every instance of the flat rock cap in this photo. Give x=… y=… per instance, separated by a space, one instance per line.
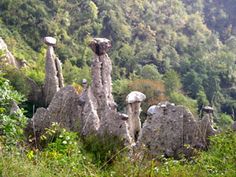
x=100 y=46
x=135 y=96
x=208 y=108
x=84 y=81
x=50 y=40
x=152 y=110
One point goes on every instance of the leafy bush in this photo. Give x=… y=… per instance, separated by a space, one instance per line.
x=103 y=149
x=180 y=99
x=17 y=79
x=225 y=121
x=219 y=160
x=62 y=153
x=11 y=124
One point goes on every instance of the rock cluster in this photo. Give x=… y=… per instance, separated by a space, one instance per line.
x=91 y=112
x=168 y=129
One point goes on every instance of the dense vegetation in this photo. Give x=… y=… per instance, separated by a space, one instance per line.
x=63 y=153
x=178 y=50
x=190 y=45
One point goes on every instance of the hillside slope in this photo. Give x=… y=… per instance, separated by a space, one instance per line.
x=193 y=40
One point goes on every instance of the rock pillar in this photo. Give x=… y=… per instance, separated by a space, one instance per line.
x=100 y=107
x=54 y=78
x=134 y=100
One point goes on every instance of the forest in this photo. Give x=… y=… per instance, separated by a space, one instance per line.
x=183 y=51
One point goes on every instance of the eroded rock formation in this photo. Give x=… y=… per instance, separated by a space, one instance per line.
x=234 y=126
x=7 y=55
x=168 y=128
x=206 y=124
x=63 y=109
x=100 y=106
x=54 y=78
x=134 y=100
x=91 y=112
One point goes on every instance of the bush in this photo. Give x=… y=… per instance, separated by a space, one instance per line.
x=11 y=124
x=225 y=121
x=180 y=99
x=103 y=149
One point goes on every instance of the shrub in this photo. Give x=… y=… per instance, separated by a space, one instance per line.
x=11 y=125
x=103 y=149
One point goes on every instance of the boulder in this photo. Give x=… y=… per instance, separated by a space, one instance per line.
x=63 y=109
x=168 y=129
x=135 y=96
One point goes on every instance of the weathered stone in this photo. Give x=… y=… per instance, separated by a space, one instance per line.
x=234 y=126
x=100 y=46
x=63 y=109
x=84 y=84
x=135 y=96
x=7 y=57
x=99 y=110
x=168 y=129
x=50 y=40
x=134 y=100
x=206 y=127
x=152 y=110
x=14 y=108
x=54 y=78
x=208 y=109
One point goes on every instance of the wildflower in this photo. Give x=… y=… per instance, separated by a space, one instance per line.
x=64 y=142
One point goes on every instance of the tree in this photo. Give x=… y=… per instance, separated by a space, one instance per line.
x=172 y=82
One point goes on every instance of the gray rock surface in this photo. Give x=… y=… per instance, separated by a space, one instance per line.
x=168 y=129
x=91 y=112
x=7 y=57
x=206 y=127
x=234 y=126
x=99 y=112
x=63 y=109
x=134 y=100
x=50 y=40
x=14 y=108
x=54 y=78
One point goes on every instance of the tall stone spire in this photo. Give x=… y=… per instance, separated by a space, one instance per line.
x=54 y=78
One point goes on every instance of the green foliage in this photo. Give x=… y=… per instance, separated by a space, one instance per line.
x=180 y=99
x=104 y=149
x=225 y=121
x=172 y=82
x=73 y=74
x=17 y=79
x=150 y=72
x=120 y=91
x=63 y=152
x=11 y=124
x=201 y=100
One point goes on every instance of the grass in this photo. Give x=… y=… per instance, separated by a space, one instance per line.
x=66 y=155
